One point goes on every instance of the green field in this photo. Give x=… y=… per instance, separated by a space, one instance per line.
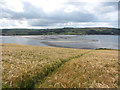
x=51 y=67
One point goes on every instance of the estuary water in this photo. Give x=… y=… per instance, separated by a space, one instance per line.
x=67 y=41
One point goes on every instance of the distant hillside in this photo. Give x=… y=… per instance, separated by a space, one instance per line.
x=62 y=31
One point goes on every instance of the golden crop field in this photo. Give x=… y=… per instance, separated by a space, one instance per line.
x=97 y=69
x=50 y=67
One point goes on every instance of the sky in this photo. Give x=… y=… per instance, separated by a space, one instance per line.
x=58 y=13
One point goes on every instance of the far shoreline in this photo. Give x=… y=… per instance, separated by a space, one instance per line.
x=58 y=46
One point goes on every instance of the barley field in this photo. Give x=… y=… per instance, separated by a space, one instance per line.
x=97 y=69
x=50 y=67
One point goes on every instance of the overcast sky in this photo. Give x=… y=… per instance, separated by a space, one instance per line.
x=58 y=13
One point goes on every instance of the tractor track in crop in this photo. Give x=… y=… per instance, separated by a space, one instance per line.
x=59 y=66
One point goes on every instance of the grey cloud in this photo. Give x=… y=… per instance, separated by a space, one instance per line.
x=37 y=17
x=107 y=5
x=30 y=12
x=63 y=18
x=114 y=4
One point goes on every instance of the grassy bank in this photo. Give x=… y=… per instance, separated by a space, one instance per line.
x=35 y=66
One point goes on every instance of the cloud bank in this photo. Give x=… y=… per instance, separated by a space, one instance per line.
x=58 y=13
